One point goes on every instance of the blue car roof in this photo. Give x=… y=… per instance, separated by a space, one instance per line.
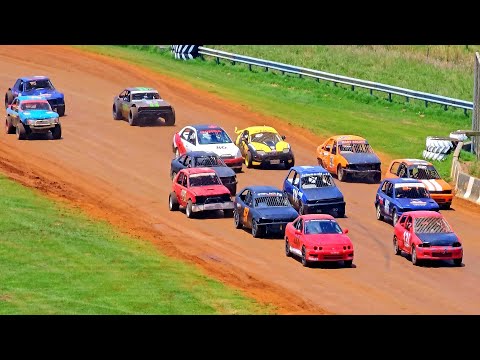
x=309 y=169
x=263 y=188
x=30 y=97
x=403 y=180
x=205 y=127
x=31 y=78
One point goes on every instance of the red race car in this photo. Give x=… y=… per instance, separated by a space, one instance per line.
x=318 y=237
x=426 y=235
x=199 y=189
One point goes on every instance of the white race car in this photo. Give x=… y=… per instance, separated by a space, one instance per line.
x=208 y=138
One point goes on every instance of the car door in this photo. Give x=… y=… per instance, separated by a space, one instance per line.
x=297 y=238
x=403 y=232
x=119 y=100
x=290 y=188
x=126 y=103
x=247 y=209
x=387 y=199
x=177 y=164
x=181 y=189
x=326 y=157
x=14 y=117
x=381 y=195
x=243 y=143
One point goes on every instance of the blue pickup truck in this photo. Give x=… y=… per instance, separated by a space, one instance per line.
x=32 y=114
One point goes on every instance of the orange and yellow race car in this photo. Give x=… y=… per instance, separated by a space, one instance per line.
x=349 y=156
x=263 y=145
x=439 y=189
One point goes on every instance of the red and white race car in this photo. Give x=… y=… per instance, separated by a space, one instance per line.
x=318 y=238
x=208 y=138
x=426 y=235
x=199 y=189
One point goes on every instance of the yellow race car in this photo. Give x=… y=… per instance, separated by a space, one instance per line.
x=263 y=145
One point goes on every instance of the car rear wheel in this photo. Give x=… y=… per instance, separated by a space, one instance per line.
x=57 y=132
x=172 y=202
x=320 y=162
x=256 y=230
x=376 y=178
x=173 y=174
x=9 y=128
x=132 y=116
x=189 y=210
x=228 y=213
x=289 y=165
x=347 y=263
x=379 y=212
x=396 y=249
x=305 y=262
x=21 y=132
x=301 y=209
x=341 y=173
x=394 y=217
x=117 y=114
x=248 y=160
x=61 y=111
x=8 y=98
x=287 y=248
x=170 y=118
x=457 y=262
x=415 y=260
x=236 y=220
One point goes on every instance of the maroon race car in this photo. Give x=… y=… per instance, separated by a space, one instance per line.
x=426 y=235
x=318 y=238
x=199 y=189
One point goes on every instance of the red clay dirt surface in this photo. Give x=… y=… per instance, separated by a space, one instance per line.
x=121 y=174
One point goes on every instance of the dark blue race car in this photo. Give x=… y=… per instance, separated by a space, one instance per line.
x=264 y=209
x=311 y=190
x=206 y=159
x=398 y=195
x=39 y=86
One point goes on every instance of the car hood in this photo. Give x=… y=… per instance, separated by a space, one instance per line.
x=418 y=204
x=328 y=240
x=361 y=158
x=434 y=185
x=38 y=114
x=151 y=103
x=329 y=192
x=281 y=212
x=223 y=171
x=211 y=190
x=445 y=239
x=269 y=146
x=45 y=93
x=228 y=149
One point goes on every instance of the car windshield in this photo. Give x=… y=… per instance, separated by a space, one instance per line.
x=313 y=181
x=322 y=227
x=431 y=225
x=354 y=146
x=204 y=180
x=209 y=161
x=409 y=192
x=423 y=172
x=269 y=138
x=213 y=136
x=35 y=105
x=38 y=84
x=145 y=96
x=271 y=200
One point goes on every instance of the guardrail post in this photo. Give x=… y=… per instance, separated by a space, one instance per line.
x=318 y=80
x=371 y=92
x=250 y=67
x=390 y=97
x=300 y=76
x=266 y=69
x=217 y=60
x=283 y=72
x=407 y=99
x=233 y=62
x=465 y=112
x=426 y=103
x=334 y=83
x=353 y=87
x=445 y=107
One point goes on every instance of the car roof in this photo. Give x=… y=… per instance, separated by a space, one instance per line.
x=199 y=170
x=263 y=188
x=198 y=153
x=310 y=169
x=140 y=89
x=205 y=127
x=413 y=161
x=32 y=78
x=403 y=181
x=347 y=137
x=317 y=217
x=424 y=213
x=31 y=98
x=260 y=128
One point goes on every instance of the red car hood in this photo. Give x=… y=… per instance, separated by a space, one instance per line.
x=210 y=190
x=327 y=240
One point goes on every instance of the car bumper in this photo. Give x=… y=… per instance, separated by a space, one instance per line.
x=227 y=205
x=234 y=163
x=439 y=253
x=323 y=208
x=272 y=159
x=362 y=173
x=322 y=256
x=153 y=113
x=40 y=128
x=442 y=199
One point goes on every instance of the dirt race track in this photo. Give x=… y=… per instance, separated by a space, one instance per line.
x=121 y=174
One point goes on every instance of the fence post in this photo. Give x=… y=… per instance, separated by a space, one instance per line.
x=371 y=91
x=353 y=87
x=250 y=67
x=390 y=97
x=217 y=60
x=426 y=103
x=407 y=99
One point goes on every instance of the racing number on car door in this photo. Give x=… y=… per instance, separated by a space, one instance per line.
x=245 y=215
x=406 y=238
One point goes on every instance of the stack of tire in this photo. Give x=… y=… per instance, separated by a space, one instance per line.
x=438 y=148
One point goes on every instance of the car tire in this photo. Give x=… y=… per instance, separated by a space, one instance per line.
x=133 y=116
x=61 y=111
x=347 y=263
x=305 y=262
x=446 y=206
x=236 y=219
x=8 y=98
x=341 y=176
x=228 y=213
x=396 y=249
x=414 y=258
x=248 y=160
x=256 y=230
x=376 y=178
x=341 y=213
x=173 y=201
x=320 y=162
x=394 y=217
x=188 y=210
x=173 y=174
x=57 y=132
x=117 y=115
x=170 y=118
x=457 y=262
x=21 y=132
x=287 y=248
x=301 y=209
x=288 y=165
x=9 y=128
x=379 y=212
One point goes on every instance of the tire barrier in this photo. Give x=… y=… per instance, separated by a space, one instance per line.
x=185 y=52
x=437 y=148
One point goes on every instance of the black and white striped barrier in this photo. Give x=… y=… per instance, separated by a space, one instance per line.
x=466 y=186
x=437 y=148
x=185 y=52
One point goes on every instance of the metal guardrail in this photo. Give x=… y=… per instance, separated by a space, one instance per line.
x=321 y=75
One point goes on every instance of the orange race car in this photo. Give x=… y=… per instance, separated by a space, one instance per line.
x=439 y=189
x=349 y=156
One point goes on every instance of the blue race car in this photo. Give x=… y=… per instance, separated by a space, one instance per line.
x=32 y=114
x=398 y=195
x=40 y=86
x=206 y=159
x=311 y=190
x=264 y=209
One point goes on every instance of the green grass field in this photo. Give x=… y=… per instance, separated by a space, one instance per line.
x=55 y=260
x=395 y=128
